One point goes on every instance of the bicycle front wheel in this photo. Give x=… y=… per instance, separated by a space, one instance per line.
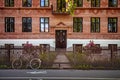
x=35 y=63
x=16 y=64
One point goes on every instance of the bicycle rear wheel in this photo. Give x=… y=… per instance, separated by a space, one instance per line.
x=16 y=64
x=35 y=63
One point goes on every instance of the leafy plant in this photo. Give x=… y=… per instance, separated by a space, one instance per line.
x=116 y=63
x=84 y=66
x=81 y=61
x=47 y=59
x=4 y=67
x=71 y=7
x=78 y=61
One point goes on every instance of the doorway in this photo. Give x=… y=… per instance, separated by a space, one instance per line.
x=61 y=38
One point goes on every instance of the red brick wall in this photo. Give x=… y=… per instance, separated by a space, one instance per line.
x=36 y=12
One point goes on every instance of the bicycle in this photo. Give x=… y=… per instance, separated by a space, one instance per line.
x=28 y=60
x=34 y=63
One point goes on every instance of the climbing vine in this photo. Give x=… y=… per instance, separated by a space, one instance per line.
x=71 y=7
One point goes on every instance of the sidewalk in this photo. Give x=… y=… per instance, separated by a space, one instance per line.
x=61 y=58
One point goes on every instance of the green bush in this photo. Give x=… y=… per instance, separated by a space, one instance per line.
x=116 y=63
x=85 y=66
x=4 y=67
x=47 y=59
x=101 y=63
x=79 y=60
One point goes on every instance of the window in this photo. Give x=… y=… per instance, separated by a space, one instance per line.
x=44 y=24
x=97 y=45
x=95 y=24
x=44 y=3
x=7 y=46
x=112 y=47
x=113 y=3
x=27 y=3
x=44 y=48
x=79 y=3
x=61 y=5
x=26 y=24
x=95 y=3
x=9 y=24
x=112 y=25
x=77 y=48
x=77 y=24
x=9 y=3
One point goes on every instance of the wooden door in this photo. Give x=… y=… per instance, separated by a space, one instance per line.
x=61 y=38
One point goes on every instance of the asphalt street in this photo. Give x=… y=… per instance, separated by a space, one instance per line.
x=59 y=74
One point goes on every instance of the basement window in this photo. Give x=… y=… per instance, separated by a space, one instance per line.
x=112 y=47
x=77 y=48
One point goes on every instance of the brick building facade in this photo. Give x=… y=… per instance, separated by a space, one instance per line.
x=47 y=22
